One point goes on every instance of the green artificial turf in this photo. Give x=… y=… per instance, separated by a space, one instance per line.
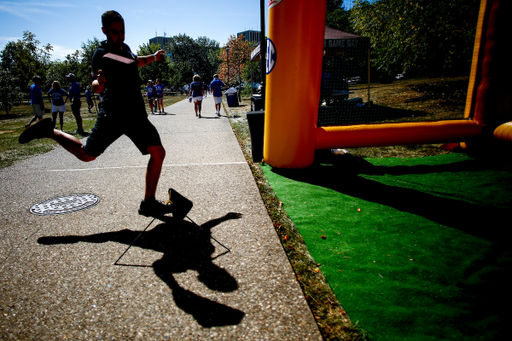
x=414 y=249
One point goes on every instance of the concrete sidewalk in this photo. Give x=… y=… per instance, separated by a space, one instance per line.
x=58 y=277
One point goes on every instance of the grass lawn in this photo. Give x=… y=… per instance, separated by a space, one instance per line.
x=13 y=124
x=415 y=248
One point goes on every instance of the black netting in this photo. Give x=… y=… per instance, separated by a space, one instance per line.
x=353 y=92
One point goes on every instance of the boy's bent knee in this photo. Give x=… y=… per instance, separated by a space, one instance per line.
x=157 y=152
x=86 y=158
x=83 y=156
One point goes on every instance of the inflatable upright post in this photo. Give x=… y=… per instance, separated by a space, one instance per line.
x=489 y=100
x=294 y=69
x=493 y=97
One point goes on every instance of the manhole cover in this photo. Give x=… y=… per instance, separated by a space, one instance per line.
x=66 y=204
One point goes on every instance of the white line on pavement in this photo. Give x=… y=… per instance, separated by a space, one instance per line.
x=124 y=167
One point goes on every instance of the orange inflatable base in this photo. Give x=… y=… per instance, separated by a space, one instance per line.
x=392 y=134
x=504 y=132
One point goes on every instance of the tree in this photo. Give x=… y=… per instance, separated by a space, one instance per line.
x=189 y=57
x=235 y=56
x=57 y=71
x=209 y=57
x=24 y=59
x=252 y=71
x=10 y=93
x=84 y=72
x=418 y=36
x=181 y=48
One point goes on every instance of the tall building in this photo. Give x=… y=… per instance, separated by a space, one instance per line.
x=250 y=35
x=160 y=40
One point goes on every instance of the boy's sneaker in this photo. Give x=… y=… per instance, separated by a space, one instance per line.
x=153 y=208
x=181 y=205
x=43 y=128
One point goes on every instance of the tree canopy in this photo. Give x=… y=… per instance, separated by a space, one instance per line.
x=418 y=36
x=23 y=59
x=189 y=57
x=337 y=17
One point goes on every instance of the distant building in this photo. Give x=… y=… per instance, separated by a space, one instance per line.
x=160 y=40
x=250 y=35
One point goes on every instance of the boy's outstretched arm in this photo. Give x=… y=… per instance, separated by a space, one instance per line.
x=155 y=57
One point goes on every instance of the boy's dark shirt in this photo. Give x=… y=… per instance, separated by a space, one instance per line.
x=122 y=93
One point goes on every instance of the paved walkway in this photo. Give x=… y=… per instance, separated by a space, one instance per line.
x=58 y=274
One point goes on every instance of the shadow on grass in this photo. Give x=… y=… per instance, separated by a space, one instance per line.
x=342 y=174
x=185 y=246
x=477 y=301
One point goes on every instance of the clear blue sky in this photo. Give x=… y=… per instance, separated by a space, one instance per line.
x=66 y=24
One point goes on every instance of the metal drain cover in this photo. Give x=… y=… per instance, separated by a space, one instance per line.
x=66 y=204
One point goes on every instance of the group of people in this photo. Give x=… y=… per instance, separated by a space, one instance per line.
x=56 y=96
x=155 y=92
x=197 y=92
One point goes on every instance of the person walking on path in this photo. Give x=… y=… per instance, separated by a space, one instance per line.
x=216 y=88
x=88 y=98
x=56 y=95
x=159 y=93
x=150 y=95
x=121 y=112
x=36 y=100
x=74 y=96
x=197 y=92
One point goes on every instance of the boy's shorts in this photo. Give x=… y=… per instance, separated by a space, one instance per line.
x=109 y=128
x=217 y=100
x=198 y=99
x=38 y=111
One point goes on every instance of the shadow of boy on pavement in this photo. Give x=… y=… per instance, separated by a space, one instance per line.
x=185 y=246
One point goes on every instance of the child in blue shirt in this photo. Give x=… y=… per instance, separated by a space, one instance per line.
x=159 y=90
x=56 y=95
x=150 y=94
